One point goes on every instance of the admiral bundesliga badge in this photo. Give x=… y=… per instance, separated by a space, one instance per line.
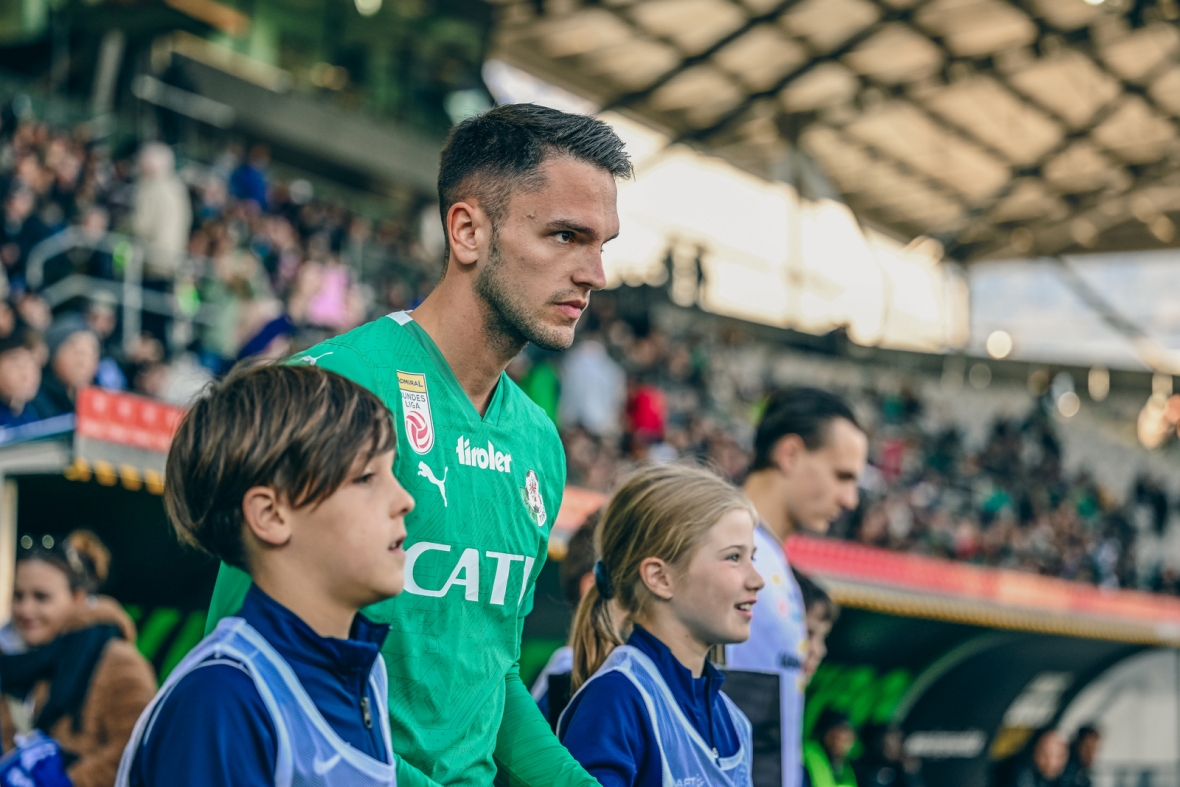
x=532 y=494
x=416 y=411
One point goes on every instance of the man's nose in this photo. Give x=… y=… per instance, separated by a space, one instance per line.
x=850 y=498
x=592 y=274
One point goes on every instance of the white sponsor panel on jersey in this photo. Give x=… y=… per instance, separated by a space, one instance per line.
x=484 y=458
x=416 y=411
x=466 y=573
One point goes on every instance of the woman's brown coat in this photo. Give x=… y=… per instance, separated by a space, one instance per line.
x=121 y=687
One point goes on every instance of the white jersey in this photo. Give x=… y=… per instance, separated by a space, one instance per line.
x=778 y=643
x=309 y=752
x=687 y=759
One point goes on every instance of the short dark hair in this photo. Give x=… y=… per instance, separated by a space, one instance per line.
x=814 y=595
x=494 y=154
x=579 y=560
x=807 y=412
x=1083 y=732
x=299 y=429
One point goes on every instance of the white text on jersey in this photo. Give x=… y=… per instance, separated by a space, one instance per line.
x=466 y=573
x=484 y=458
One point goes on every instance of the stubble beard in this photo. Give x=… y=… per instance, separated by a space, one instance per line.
x=509 y=324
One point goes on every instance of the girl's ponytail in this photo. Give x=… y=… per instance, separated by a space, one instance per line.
x=594 y=636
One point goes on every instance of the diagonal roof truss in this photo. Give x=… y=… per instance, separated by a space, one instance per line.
x=999 y=127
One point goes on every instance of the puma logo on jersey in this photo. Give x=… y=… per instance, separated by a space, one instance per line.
x=466 y=573
x=425 y=471
x=483 y=458
x=312 y=359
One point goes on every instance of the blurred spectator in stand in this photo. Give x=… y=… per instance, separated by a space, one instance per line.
x=535 y=371
x=825 y=757
x=73 y=363
x=161 y=219
x=884 y=762
x=248 y=181
x=20 y=377
x=80 y=678
x=272 y=342
x=33 y=309
x=1083 y=750
x=1041 y=764
x=594 y=387
x=20 y=231
x=83 y=259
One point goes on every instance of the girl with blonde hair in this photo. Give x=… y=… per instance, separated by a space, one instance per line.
x=676 y=546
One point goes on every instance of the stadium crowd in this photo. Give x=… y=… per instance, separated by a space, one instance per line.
x=628 y=394
x=246 y=263
x=259 y=267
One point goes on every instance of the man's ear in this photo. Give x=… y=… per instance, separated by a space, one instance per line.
x=787 y=451
x=657 y=576
x=468 y=230
x=266 y=516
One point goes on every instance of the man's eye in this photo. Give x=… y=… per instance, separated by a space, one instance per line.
x=565 y=236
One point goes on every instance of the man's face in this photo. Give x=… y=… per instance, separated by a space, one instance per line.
x=839 y=741
x=1051 y=755
x=1088 y=749
x=546 y=253
x=821 y=484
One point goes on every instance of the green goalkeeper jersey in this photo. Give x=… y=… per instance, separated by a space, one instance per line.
x=487 y=491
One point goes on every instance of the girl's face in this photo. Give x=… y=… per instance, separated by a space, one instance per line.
x=713 y=597
x=41 y=601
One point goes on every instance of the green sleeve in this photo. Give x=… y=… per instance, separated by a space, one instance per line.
x=228 y=594
x=528 y=754
x=409 y=776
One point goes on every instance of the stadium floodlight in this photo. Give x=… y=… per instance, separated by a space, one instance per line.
x=1068 y=404
x=1099 y=383
x=368 y=7
x=999 y=344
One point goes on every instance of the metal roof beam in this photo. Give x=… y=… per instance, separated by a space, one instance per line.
x=889 y=16
x=629 y=99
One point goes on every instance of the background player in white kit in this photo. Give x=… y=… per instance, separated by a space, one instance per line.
x=809 y=453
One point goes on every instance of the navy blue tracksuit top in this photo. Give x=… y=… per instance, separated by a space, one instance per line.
x=214 y=728
x=607 y=729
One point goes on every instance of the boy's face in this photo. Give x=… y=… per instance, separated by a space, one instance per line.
x=353 y=539
x=818 y=627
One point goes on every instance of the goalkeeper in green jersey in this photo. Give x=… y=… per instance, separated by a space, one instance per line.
x=527 y=196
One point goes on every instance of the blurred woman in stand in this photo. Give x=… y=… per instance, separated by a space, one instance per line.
x=80 y=679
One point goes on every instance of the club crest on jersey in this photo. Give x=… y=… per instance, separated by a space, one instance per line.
x=532 y=498
x=416 y=411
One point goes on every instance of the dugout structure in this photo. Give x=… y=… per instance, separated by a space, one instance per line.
x=103 y=469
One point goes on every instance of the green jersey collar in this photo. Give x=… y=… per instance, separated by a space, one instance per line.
x=492 y=415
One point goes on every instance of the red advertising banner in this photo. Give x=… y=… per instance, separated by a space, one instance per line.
x=126 y=419
x=1011 y=589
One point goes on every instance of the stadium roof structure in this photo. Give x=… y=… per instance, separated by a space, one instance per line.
x=1001 y=128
